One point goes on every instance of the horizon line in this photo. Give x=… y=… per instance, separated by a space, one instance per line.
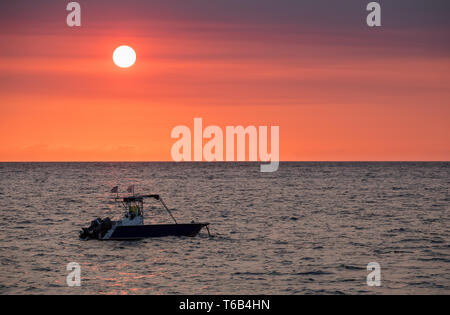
x=288 y=161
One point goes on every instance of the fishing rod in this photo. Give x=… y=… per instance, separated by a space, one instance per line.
x=164 y=204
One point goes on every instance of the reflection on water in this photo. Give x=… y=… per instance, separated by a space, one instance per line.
x=308 y=228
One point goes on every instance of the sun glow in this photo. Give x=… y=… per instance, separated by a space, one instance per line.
x=124 y=56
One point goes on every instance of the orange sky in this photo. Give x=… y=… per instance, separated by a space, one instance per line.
x=337 y=94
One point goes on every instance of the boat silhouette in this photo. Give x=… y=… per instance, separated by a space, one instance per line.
x=132 y=227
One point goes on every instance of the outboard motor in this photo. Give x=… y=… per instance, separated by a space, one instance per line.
x=97 y=229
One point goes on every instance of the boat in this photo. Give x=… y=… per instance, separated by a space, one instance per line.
x=132 y=227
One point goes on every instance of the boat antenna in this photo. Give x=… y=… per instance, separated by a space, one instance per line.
x=164 y=204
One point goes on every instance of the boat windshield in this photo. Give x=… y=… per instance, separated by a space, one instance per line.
x=133 y=206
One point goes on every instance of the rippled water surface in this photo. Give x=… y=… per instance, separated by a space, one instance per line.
x=309 y=228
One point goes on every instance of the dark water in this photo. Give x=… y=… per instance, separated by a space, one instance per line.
x=310 y=228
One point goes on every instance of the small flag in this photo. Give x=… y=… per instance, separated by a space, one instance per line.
x=115 y=189
x=130 y=189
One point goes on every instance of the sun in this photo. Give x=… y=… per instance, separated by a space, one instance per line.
x=124 y=56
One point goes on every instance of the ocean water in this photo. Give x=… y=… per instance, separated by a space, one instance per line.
x=309 y=228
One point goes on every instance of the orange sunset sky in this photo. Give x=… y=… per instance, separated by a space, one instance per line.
x=338 y=89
